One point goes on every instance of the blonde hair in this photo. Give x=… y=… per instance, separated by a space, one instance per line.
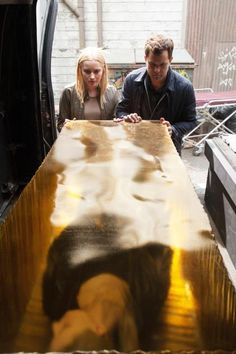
x=97 y=54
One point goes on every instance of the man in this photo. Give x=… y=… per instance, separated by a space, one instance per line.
x=156 y=92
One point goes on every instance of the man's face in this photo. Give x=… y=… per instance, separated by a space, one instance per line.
x=157 y=68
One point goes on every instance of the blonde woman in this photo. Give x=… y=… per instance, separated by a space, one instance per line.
x=91 y=97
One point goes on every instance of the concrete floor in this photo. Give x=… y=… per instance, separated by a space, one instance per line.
x=197 y=168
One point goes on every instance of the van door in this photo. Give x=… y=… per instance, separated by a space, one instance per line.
x=27 y=122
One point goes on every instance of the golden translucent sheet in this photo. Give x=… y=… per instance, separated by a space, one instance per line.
x=112 y=213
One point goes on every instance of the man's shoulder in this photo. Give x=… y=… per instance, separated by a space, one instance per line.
x=136 y=73
x=180 y=79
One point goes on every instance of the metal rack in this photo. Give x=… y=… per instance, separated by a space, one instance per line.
x=208 y=104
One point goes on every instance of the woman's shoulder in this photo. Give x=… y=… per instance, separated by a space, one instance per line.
x=69 y=93
x=69 y=88
x=111 y=88
x=111 y=93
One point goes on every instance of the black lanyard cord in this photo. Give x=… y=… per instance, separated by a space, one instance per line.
x=149 y=103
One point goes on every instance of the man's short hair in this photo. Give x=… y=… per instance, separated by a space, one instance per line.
x=157 y=44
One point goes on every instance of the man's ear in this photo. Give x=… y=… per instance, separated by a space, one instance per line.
x=171 y=59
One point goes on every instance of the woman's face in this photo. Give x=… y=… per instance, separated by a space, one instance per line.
x=92 y=72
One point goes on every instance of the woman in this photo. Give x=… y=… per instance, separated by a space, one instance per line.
x=91 y=97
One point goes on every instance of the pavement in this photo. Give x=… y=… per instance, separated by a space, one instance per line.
x=197 y=168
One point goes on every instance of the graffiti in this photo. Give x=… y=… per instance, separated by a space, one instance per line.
x=185 y=74
x=117 y=76
x=227 y=66
x=226 y=82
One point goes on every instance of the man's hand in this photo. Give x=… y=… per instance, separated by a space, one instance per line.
x=132 y=117
x=167 y=124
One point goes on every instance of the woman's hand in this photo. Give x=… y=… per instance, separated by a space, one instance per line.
x=69 y=123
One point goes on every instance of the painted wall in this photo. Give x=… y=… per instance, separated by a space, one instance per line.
x=125 y=25
x=211 y=40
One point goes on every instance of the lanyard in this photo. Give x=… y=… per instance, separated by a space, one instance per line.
x=149 y=103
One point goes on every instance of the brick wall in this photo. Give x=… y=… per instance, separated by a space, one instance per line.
x=126 y=24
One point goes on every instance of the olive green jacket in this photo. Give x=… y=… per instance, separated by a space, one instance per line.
x=70 y=106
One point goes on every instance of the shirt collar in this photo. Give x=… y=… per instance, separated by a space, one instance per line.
x=169 y=85
x=152 y=89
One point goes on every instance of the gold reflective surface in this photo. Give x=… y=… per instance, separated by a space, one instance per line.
x=108 y=247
